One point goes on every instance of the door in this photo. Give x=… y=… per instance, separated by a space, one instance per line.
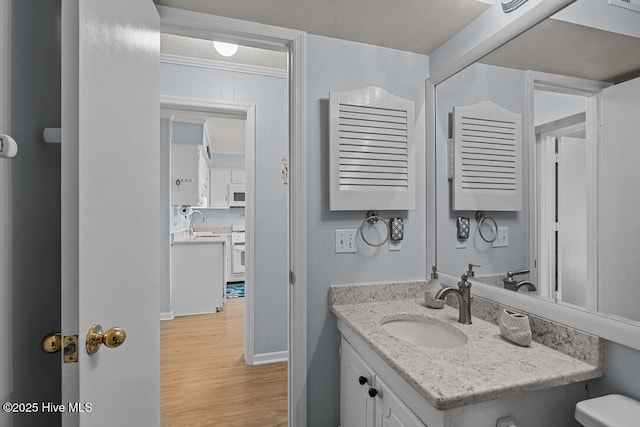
x=111 y=207
x=356 y=378
x=572 y=220
x=618 y=206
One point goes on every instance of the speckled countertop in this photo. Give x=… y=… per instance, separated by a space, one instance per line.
x=183 y=238
x=487 y=367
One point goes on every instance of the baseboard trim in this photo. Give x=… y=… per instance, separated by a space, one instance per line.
x=275 y=357
x=167 y=315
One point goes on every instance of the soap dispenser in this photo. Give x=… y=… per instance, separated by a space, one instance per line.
x=433 y=286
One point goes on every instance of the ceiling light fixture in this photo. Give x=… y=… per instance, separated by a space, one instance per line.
x=225 y=49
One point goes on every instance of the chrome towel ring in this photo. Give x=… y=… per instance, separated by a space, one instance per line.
x=372 y=218
x=481 y=218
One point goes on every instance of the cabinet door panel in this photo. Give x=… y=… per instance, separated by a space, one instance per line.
x=356 y=406
x=390 y=411
x=219 y=185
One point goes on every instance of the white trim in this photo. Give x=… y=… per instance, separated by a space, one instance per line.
x=201 y=25
x=222 y=65
x=486 y=33
x=265 y=358
x=430 y=106
x=250 y=236
x=167 y=315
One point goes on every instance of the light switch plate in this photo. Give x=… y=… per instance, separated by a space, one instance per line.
x=502 y=239
x=346 y=241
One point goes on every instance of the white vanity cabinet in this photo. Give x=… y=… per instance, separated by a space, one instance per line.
x=365 y=399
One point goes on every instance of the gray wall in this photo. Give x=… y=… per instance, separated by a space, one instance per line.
x=35 y=204
x=336 y=65
x=6 y=377
x=622 y=372
x=270 y=95
x=504 y=86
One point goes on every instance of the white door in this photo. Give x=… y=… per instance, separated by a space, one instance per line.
x=111 y=207
x=572 y=220
x=618 y=206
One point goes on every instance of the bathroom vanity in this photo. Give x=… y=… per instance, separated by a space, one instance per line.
x=385 y=380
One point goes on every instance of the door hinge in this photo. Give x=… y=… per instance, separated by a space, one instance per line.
x=292 y=278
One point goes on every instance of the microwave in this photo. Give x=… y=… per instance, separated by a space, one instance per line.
x=237 y=195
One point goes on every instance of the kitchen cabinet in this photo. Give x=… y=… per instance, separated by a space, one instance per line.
x=238 y=176
x=197 y=277
x=189 y=176
x=365 y=399
x=219 y=188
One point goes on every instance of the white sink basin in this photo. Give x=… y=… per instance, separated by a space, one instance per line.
x=425 y=332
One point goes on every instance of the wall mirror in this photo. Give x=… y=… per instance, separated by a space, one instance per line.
x=574 y=80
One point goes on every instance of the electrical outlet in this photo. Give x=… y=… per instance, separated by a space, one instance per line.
x=395 y=246
x=502 y=239
x=346 y=241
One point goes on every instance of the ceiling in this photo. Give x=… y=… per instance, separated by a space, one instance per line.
x=421 y=26
x=572 y=50
x=412 y=25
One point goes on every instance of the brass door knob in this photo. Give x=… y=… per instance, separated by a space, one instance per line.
x=112 y=338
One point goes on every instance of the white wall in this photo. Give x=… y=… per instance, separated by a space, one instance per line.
x=550 y=106
x=270 y=95
x=504 y=86
x=5 y=210
x=336 y=65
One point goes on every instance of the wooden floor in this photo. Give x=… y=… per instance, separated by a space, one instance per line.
x=204 y=381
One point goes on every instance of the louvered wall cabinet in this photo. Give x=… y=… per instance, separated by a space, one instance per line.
x=487 y=165
x=372 y=151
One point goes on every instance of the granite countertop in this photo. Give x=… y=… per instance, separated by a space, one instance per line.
x=487 y=367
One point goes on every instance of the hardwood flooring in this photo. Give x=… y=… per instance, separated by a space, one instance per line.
x=204 y=381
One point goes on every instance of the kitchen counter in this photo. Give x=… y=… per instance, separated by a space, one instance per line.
x=487 y=367
x=183 y=238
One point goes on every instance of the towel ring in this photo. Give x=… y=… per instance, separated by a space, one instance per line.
x=372 y=218
x=481 y=217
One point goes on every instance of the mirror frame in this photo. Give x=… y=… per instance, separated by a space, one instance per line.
x=483 y=35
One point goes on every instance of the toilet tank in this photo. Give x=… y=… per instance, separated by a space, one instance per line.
x=613 y=410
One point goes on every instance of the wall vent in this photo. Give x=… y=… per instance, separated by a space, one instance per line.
x=371 y=149
x=487 y=158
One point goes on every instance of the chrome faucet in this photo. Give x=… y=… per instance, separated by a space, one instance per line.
x=514 y=285
x=463 y=294
x=195 y=211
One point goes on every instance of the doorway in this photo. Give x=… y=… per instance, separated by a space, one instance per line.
x=217 y=96
x=563 y=146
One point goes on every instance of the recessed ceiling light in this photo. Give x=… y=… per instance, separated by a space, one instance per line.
x=225 y=49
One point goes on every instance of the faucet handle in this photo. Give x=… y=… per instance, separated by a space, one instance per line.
x=510 y=274
x=464 y=283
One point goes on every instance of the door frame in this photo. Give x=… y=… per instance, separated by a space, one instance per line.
x=546 y=135
x=247 y=112
x=535 y=80
x=205 y=26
